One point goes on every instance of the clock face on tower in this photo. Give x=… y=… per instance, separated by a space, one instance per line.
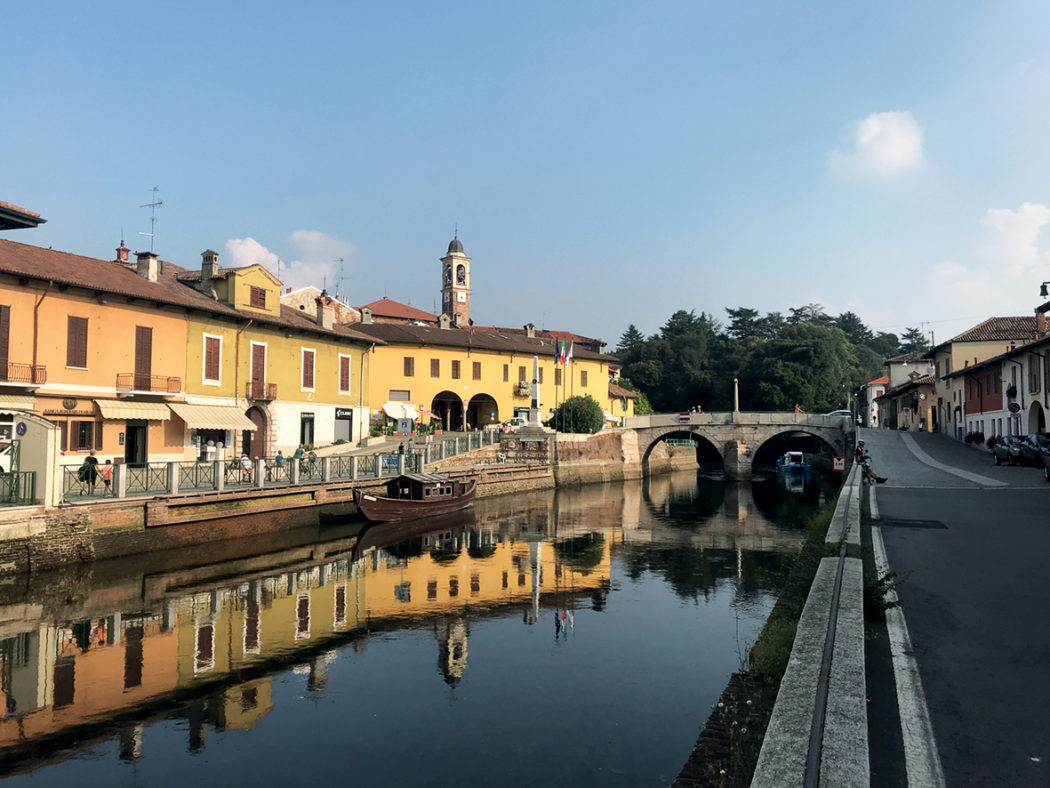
x=461 y=297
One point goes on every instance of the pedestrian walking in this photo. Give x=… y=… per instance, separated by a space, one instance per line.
x=107 y=475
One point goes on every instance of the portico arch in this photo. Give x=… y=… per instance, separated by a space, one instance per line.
x=449 y=408
x=1036 y=418
x=481 y=410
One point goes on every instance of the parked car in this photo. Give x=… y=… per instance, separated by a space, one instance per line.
x=1007 y=448
x=513 y=424
x=1032 y=448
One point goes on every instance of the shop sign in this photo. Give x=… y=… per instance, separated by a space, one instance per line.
x=344 y=413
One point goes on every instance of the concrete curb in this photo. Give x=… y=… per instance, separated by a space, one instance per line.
x=842 y=718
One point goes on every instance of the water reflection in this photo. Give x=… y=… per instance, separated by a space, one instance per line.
x=102 y=652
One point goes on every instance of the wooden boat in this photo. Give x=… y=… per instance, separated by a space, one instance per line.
x=414 y=495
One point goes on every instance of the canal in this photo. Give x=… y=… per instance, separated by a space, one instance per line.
x=552 y=638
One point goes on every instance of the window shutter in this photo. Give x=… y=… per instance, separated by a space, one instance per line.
x=5 y=336
x=211 y=358
x=308 y=369
x=76 y=341
x=98 y=436
x=344 y=373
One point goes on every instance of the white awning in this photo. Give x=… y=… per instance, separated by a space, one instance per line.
x=16 y=401
x=212 y=417
x=401 y=410
x=122 y=410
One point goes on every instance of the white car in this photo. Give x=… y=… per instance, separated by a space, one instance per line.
x=845 y=413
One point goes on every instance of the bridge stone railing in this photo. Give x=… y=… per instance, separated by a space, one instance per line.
x=743 y=418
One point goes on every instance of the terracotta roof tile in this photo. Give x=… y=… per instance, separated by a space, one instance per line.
x=388 y=308
x=999 y=328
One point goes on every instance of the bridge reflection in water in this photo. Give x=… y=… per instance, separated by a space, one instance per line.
x=83 y=658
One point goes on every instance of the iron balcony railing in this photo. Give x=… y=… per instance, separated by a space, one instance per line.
x=257 y=390
x=27 y=374
x=136 y=381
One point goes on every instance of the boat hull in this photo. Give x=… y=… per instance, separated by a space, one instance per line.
x=380 y=509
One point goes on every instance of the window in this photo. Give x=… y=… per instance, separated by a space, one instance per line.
x=506 y=373
x=540 y=379
x=477 y=370
x=455 y=370
x=212 y=358
x=583 y=377
x=557 y=376
x=521 y=375
x=453 y=586
x=435 y=368
x=76 y=342
x=257 y=298
x=83 y=436
x=410 y=366
x=344 y=374
x=308 y=369
x=400 y=395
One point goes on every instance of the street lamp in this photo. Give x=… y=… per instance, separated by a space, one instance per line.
x=1043 y=291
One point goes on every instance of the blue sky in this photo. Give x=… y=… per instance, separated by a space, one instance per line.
x=606 y=163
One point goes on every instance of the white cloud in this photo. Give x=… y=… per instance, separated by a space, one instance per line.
x=316 y=258
x=884 y=143
x=1015 y=236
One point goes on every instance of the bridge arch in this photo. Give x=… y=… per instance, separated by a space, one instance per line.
x=706 y=449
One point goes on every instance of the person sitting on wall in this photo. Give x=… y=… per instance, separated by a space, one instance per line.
x=865 y=464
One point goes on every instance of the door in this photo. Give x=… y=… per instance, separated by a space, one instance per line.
x=306 y=429
x=135 y=449
x=258 y=371
x=143 y=357
x=5 y=333
x=254 y=441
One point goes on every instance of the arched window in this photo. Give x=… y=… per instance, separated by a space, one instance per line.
x=461 y=275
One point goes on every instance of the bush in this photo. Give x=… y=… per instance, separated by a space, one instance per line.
x=578 y=415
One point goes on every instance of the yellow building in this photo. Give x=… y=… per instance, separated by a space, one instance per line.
x=145 y=361
x=467 y=376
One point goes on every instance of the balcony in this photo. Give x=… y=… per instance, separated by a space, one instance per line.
x=131 y=383
x=23 y=376
x=258 y=390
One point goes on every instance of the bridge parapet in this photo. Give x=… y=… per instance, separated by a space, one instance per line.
x=743 y=418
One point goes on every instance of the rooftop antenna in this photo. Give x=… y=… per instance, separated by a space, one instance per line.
x=153 y=206
x=339 y=276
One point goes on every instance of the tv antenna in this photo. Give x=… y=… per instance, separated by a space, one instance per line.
x=153 y=206
x=340 y=277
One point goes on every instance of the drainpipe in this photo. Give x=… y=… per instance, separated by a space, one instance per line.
x=237 y=358
x=36 y=316
x=361 y=391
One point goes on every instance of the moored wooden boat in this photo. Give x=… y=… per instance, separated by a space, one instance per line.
x=413 y=495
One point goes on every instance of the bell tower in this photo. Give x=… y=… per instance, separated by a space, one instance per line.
x=455 y=284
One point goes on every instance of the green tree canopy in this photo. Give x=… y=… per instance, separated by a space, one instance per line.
x=579 y=415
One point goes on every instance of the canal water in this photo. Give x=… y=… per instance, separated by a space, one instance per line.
x=577 y=637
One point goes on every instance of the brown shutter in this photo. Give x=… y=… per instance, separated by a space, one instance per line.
x=211 y=358
x=76 y=341
x=308 y=369
x=98 y=436
x=5 y=336
x=143 y=357
x=344 y=373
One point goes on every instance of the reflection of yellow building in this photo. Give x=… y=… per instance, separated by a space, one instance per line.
x=55 y=677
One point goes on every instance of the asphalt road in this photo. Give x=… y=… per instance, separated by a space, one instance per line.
x=972 y=543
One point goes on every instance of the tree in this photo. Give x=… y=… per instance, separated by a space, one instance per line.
x=809 y=365
x=579 y=415
x=854 y=329
x=743 y=323
x=641 y=404
x=914 y=341
x=630 y=342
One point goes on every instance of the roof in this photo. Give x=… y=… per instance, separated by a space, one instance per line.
x=994 y=329
x=109 y=276
x=620 y=391
x=385 y=307
x=1021 y=349
x=455 y=245
x=904 y=388
x=904 y=358
x=14 y=217
x=885 y=379
x=480 y=339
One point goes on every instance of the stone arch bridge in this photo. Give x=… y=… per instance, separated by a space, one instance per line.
x=737 y=436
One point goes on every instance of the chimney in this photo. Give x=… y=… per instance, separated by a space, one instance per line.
x=530 y=330
x=443 y=321
x=1041 y=324
x=146 y=265
x=366 y=315
x=123 y=253
x=325 y=311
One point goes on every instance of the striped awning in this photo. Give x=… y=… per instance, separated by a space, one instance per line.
x=212 y=417
x=121 y=410
x=16 y=401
